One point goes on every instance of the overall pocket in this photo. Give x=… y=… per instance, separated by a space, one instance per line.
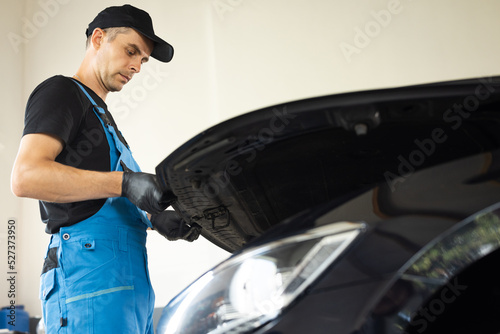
x=85 y=263
x=91 y=265
x=47 y=284
x=52 y=309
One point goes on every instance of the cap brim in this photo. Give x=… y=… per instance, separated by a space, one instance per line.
x=161 y=50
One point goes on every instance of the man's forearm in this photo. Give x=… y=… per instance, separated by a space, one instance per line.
x=54 y=182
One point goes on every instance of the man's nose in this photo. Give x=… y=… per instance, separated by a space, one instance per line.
x=136 y=66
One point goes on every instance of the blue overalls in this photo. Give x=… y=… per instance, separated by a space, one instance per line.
x=95 y=277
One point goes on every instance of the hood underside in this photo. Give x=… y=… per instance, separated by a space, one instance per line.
x=245 y=175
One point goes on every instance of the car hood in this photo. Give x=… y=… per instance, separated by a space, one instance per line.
x=244 y=176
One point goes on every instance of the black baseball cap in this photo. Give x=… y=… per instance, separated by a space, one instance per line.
x=130 y=16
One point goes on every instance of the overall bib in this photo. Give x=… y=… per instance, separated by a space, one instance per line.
x=95 y=277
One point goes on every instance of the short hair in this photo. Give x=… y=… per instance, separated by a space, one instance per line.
x=111 y=34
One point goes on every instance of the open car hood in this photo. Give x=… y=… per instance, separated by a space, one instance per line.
x=245 y=175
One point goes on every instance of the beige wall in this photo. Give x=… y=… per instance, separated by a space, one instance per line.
x=231 y=56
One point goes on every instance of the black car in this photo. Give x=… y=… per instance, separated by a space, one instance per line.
x=365 y=212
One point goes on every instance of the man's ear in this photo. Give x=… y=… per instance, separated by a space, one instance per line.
x=97 y=38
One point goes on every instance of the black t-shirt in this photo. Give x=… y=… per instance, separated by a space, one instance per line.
x=59 y=107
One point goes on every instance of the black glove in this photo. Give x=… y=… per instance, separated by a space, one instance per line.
x=144 y=191
x=171 y=226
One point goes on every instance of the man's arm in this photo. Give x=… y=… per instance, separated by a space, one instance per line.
x=37 y=175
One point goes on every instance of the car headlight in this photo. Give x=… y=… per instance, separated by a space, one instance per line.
x=252 y=288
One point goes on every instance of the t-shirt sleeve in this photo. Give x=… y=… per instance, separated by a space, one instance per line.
x=55 y=108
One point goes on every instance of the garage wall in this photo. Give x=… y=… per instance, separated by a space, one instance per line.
x=274 y=51
x=231 y=56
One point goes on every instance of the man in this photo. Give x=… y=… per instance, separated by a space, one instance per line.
x=73 y=158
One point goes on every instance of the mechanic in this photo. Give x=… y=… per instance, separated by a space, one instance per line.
x=94 y=200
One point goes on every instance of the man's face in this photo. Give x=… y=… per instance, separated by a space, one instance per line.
x=121 y=58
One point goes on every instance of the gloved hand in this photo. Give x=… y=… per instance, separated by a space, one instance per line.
x=171 y=226
x=144 y=191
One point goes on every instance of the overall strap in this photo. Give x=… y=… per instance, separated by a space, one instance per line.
x=101 y=113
